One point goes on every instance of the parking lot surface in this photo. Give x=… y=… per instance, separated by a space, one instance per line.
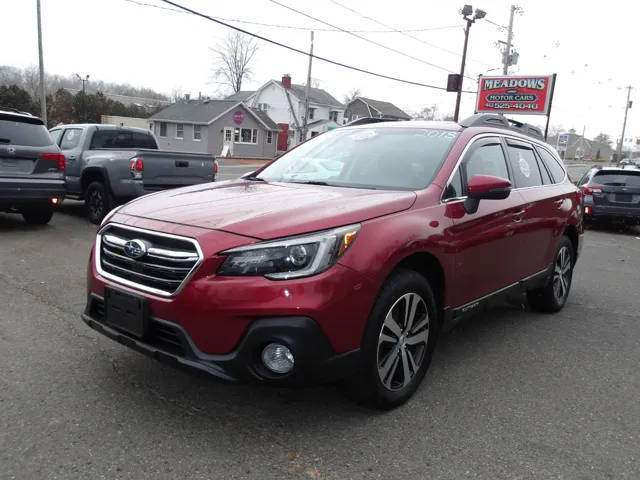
x=510 y=394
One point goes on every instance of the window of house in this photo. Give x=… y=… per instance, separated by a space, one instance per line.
x=333 y=116
x=227 y=134
x=179 y=130
x=263 y=106
x=197 y=134
x=245 y=135
x=269 y=136
x=524 y=166
x=163 y=129
x=312 y=112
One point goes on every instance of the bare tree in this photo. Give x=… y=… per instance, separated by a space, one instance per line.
x=603 y=138
x=232 y=58
x=351 y=95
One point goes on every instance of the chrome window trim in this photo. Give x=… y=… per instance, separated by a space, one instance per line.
x=480 y=136
x=138 y=286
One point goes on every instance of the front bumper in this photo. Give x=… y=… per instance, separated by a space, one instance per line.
x=315 y=359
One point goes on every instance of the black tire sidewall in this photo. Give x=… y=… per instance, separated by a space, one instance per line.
x=564 y=242
x=398 y=284
x=37 y=216
x=106 y=202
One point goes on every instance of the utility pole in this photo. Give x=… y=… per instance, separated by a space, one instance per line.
x=84 y=98
x=507 y=54
x=306 y=94
x=624 y=125
x=464 y=60
x=43 y=93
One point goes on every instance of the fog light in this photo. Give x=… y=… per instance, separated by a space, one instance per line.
x=277 y=358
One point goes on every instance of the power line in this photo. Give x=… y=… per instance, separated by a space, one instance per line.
x=294 y=27
x=306 y=54
x=413 y=37
x=363 y=38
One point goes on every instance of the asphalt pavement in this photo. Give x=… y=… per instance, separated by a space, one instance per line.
x=511 y=394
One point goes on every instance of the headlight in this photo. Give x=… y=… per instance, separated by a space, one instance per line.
x=291 y=257
x=108 y=216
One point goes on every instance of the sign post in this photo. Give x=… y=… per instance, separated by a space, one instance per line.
x=517 y=94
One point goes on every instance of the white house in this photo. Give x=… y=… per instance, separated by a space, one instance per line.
x=284 y=103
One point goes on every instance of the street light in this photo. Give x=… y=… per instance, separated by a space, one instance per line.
x=84 y=98
x=466 y=12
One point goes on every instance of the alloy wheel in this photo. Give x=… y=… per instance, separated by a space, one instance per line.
x=96 y=203
x=402 y=342
x=562 y=274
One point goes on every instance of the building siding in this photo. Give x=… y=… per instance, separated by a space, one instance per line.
x=261 y=149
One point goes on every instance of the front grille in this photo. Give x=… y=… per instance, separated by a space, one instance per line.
x=169 y=260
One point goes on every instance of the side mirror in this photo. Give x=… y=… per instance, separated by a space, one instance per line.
x=485 y=187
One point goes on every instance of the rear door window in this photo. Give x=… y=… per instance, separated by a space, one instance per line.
x=71 y=138
x=556 y=170
x=524 y=165
x=15 y=132
x=122 y=139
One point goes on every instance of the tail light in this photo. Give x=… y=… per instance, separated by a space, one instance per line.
x=136 y=167
x=55 y=157
x=215 y=169
x=587 y=210
x=591 y=190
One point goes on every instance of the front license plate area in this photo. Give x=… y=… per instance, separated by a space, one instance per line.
x=126 y=311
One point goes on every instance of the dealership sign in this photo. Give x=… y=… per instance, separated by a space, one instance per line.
x=529 y=95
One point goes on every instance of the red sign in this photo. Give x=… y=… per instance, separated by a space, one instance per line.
x=238 y=117
x=529 y=95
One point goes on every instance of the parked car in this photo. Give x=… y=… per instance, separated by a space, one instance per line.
x=31 y=167
x=612 y=194
x=108 y=164
x=285 y=281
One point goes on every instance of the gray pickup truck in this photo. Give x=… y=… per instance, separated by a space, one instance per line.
x=108 y=164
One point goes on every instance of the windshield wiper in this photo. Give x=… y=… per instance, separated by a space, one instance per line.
x=312 y=182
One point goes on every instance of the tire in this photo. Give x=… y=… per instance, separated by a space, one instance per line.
x=553 y=296
x=394 y=366
x=37 y=216
x=98 y=201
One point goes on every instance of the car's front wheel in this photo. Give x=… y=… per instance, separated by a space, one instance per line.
x=398 y=341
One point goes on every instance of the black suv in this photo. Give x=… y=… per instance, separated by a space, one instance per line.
x=612 y=194
x=31 y=167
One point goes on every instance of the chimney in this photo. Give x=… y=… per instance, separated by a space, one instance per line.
x=286 y=80
x=187 y=96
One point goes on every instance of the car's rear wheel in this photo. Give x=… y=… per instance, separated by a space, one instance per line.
x=98 y=201
x=37 y=216
x=552 y=297
x=398 y=341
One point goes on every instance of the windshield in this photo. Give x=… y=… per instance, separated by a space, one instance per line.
x=386 y=158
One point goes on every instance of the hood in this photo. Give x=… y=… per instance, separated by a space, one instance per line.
x=267 y=210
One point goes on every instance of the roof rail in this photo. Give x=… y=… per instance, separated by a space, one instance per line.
x=366 y=120
x=500 y=121
x=14 y=110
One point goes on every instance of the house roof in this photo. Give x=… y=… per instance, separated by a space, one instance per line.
x=206 y=111
x=241 y=96
x=387 y=109
x=316 y=95
x=317 y=123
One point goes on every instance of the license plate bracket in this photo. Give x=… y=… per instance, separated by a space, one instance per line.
x=126 y=311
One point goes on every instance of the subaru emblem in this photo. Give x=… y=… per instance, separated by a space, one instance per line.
x=135 y=248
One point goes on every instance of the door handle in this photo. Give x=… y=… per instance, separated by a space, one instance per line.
x=182 y=163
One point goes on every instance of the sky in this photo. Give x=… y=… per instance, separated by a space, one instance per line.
x=591 y=46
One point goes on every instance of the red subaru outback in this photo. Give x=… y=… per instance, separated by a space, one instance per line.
x=343 y=258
